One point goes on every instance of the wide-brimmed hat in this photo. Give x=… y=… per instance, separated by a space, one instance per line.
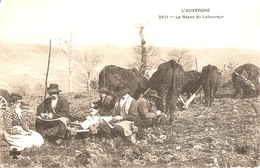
x=152 y=93
x=120 y=89
x=53 y=88
x=103 y=89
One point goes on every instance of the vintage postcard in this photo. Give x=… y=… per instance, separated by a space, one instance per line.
x=191 y=70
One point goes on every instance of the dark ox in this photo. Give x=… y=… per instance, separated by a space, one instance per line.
x=112 y=76
x=246 y=80
x=192 y=83
x=210 y=80
x=168 y=81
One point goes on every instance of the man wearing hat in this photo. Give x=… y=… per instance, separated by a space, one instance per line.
x=53 y=112
x=124 y=115
x=104 y=106
x=146 y=107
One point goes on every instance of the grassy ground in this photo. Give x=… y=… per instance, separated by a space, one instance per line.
x=225 y=135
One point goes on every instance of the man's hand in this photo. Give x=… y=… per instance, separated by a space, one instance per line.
x=43 y=115
x=117 y=118
x=93 y=111
x=50 y=115
x=16 y=131
x=29 y=133
x=46 y=116
x=24 y=133
x=91 y=105
x=158 y=112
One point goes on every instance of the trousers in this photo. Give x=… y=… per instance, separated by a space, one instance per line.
x=43 y=127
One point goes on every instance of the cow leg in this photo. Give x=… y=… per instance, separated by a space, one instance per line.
x=164 y=103
x=239 y=93
x=173 y=106
x=206 y=95
x=212 y=94
x=188 y=95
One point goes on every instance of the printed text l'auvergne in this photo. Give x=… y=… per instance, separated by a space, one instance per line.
x=195 y=10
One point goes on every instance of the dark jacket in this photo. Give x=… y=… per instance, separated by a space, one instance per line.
x=61 y=110
x=145 y=110
x=106 y=107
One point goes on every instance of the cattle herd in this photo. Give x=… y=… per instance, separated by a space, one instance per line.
x=171 y=81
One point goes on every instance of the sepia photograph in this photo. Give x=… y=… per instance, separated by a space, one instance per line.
x=129 y=83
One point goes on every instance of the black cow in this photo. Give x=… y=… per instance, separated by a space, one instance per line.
x=210 y=79
x=168 y=81
x=191 y=83
x=246 y=81
x=112 y=76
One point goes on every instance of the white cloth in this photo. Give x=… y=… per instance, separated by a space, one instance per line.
x=20 y=142
x=89 y=121
x=18 y=111
x=93 y=120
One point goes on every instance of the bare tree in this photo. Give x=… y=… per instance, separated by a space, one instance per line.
x=38 y=88
x=232 y=65
x=87 y=67
x=143 y=54
x=182 y=57
x=227 y=71
x=67 y=49
x=20 y=84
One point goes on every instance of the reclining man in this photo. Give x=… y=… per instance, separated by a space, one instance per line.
x=53 y=112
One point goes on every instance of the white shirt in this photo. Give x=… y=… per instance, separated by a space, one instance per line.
x=103 y=97
x=123 y=99
x=54 y=102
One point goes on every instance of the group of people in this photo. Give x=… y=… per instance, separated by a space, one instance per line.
x=53 y=116
x=126 y=112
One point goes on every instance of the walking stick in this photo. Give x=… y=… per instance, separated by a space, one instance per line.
x=46 y=79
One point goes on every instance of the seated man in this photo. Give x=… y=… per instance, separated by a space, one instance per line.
x=53 y=112
x=146 y=107
x=105 y=105
x=124 y=113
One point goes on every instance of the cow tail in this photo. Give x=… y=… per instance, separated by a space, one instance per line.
x=104 y=77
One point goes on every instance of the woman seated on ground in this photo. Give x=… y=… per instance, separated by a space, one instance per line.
x=17 y=132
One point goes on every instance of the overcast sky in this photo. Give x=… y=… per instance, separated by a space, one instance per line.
x=112 y=22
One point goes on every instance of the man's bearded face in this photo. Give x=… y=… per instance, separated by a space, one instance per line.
x=53 y=95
